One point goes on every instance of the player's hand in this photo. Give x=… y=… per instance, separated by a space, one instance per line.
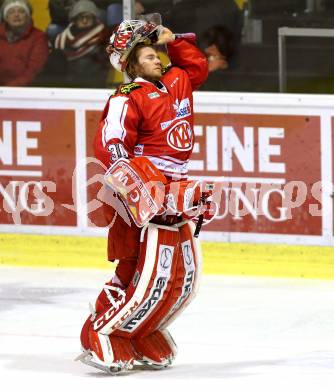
x=165 y=36
x=215 y=58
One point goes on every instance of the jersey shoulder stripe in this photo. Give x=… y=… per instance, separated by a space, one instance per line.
x=166 y=69
x=126 y=89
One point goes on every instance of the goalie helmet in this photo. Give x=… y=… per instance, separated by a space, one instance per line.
x=128 y=34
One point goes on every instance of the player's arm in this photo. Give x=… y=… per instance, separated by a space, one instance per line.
x=184 y=54
x=117 y=133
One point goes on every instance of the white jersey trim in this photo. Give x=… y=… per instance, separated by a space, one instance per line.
x=114 y=121
x=175 y=160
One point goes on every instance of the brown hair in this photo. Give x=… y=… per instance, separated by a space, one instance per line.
x=132 y=60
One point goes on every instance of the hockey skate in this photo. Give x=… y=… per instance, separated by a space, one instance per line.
x=87 y=357
x=110 y=354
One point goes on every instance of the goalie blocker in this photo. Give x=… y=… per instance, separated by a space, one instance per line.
x=139 y=185
x=145 y=192
x=128 y=325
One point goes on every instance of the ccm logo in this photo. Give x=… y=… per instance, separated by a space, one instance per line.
x=103 y=320
x=180 y=136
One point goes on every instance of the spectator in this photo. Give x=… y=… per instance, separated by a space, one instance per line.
x=23 y=48
x=83 y=44
x=59 y=10
x=110 y=13
x=197 y=16
x=219 y=47
x=139 y=8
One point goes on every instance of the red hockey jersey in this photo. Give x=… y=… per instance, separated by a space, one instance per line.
x=156 y=121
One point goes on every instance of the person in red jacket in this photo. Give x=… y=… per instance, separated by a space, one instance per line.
x=24 y=49
x=148 y=123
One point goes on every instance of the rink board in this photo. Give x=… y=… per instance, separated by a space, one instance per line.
x=287 y=261
x=270 y=156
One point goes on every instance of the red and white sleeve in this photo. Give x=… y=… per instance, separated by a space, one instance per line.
x=184 y=54
x=117 y=133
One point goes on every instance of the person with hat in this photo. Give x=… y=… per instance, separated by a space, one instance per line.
x=24 y=48
x=58 y=11
x=82 y=43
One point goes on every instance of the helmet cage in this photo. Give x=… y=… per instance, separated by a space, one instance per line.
x=128 y=34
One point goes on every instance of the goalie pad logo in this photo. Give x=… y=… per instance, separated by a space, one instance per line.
x=188 y=280
x=138 y=196
x=164 y=266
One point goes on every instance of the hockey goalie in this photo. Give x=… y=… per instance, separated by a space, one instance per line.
x=145 y=139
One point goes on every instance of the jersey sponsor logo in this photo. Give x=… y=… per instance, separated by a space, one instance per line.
x=153 y=95
x=174 y=82
x=182 y=108
x=138 y=150
x=180 y=136
x=166 y=124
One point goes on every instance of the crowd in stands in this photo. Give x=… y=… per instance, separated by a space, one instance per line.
x=24 y=49
x=71 y=52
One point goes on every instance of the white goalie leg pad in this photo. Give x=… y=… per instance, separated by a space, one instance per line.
x=113 y=318
x=106 y=350
x=170 y=341
x=192 y=258
x=164 y=253
x=111 y=356
x=107 y=353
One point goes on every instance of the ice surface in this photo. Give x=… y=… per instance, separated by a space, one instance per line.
x=239 y=333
